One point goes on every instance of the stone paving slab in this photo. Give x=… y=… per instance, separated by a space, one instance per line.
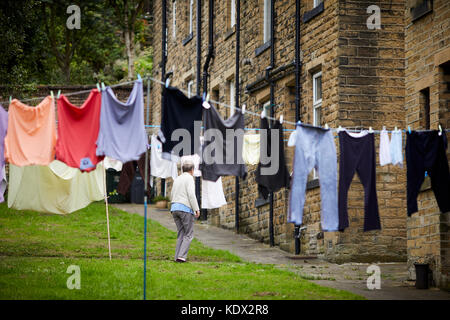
x=349 y=276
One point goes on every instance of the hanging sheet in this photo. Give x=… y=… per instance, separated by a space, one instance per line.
x=3 y=130
x=55 y=188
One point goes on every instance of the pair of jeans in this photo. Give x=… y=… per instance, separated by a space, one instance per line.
x=426 y=151
x=185 y=226
x=358 y=154
x=314 y=148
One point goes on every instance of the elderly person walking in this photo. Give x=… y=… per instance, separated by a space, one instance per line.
x=184 y=206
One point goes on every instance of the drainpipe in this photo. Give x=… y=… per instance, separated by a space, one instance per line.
x=238 y=34
x=272 y=103
x=297 y=231
x=204 y=212
x=199 y=61
x=163 y=68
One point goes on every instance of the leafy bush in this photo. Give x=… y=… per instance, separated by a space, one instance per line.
x=160 y=198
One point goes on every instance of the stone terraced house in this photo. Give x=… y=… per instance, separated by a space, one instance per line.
x=349 y=72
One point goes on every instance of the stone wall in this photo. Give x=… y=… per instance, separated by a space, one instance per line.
x=427 y=46
x=363 y=85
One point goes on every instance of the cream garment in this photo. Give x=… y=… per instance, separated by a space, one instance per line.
x=55 y=188
x=212 y=194
x=251 y=149
x=112 y=164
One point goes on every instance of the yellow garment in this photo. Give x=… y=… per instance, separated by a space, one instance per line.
x=250 y=149
x=55 y=188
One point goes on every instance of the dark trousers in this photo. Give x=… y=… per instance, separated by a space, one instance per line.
x=358 y=154
x=426 y=151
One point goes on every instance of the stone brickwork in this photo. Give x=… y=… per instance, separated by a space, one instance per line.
x=427 y=83
x=363 y=85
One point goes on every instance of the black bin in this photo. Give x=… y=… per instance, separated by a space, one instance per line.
x=422 y=271
x=112 y=181
x=137 y=189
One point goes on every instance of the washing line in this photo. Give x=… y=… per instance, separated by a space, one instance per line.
x=217 y=103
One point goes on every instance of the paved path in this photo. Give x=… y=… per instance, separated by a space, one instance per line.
x=350 y=276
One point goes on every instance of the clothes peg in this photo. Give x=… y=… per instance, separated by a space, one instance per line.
x=207 y=97
x=370 y=130
x=167 y=82
x=396 y=129
x=339 y=129
x=206 y=104
x=281 y=118
x=243 y=108
x=98 y=88
x=103 y=86
x=326 y=126
x=263 y=114
x=440 y=130
x=409 y=129
x=59 y=93
x=10 y=99
x=139 y=76
x=51 y=94
x=384 y=127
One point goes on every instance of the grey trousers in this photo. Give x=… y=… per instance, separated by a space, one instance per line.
x=185 y=227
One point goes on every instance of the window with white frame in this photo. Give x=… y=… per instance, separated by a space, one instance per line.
x=267 y=21
x=191 y=15
x=317 y=104
x=317 y=98
x=317 y=2
x=190 y=88
x=232 y=13
x=174 y=19
x=231 y=90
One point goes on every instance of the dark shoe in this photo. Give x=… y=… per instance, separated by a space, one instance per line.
x=180 y=260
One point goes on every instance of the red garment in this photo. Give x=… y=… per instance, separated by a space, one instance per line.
x=78 y=129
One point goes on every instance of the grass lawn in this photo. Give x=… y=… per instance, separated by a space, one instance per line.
x=36 y=250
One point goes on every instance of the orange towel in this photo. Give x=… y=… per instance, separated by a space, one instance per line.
x=31 y=135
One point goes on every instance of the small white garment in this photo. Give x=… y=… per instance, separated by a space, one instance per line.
x=112 y=164
x=251 y=149
x=159 y=167
x=3 y=183
x=195 y=158
x=212 y=194
x=396 y=148
x=292 y=139
x=385 y=153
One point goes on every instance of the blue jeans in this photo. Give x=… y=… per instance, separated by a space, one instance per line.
x=315 y=148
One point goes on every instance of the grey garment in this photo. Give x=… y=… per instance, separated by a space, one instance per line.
x=185 y=227
x=122 y=133
x=315 y=148
x=222 y=148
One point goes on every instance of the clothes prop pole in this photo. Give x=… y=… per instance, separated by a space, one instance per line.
x=107 y=211
x=145 y=193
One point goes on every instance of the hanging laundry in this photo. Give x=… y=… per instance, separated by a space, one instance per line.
x=212 y=194
x=391 y=151
x=3 y=130
x=314 y=148
x=128 y=172
x=358 y=154
x=122 y=133
x=222 y=147
x=161 y=168
x=55 y=188
x=179 y=112
x=396 y=148
x=112 y=164
x=385 y=152
x=426 y=151
x=268 y=183
x=31 y=135
x=78 y=129
x=250 y=150
x=195 y=158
